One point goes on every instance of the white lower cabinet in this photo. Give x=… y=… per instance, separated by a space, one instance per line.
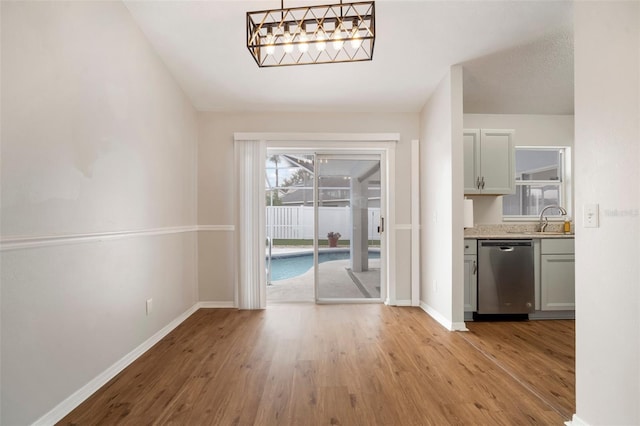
x=470 y=276
x=557 y=274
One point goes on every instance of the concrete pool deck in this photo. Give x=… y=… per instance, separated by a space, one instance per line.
x=336 y=281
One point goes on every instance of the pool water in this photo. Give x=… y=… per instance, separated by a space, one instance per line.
x=290 y=266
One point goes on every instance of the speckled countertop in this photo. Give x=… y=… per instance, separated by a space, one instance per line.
x=516 y=230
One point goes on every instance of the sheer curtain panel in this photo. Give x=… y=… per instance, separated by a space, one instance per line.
x=250 y=174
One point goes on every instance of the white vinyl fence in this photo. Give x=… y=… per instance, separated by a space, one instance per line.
x=285 y=222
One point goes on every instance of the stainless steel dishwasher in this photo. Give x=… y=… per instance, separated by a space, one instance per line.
x=505 y=277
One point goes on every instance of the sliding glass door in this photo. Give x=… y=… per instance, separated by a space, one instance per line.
x=289 y=190
x=324 y=227
x=349 y=225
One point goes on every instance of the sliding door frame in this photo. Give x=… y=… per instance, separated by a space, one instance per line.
x=374 y=154
x=345 y=143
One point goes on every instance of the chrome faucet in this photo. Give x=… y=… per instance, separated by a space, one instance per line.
x=543 y=226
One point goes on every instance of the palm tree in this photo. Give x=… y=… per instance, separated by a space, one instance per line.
x=275 y=159
x=274 y=193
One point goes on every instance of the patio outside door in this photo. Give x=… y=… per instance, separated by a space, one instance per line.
x=349 y=212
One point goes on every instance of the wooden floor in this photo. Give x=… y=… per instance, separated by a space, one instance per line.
x=306 y=364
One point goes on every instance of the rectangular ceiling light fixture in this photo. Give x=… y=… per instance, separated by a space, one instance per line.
x=343 y=32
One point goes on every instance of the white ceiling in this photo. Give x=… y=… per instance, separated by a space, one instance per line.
x=517 y=57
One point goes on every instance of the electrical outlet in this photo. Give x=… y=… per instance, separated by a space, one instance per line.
x=435 y=286
x=149 y=306
x=590 y=215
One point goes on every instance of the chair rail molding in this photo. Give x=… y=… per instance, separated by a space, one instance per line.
x=216 y=228
x=36 y=241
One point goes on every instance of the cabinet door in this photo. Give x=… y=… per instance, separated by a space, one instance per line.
x=497 y=162
x=471 y=161
x=557 y=282
x=470 y=283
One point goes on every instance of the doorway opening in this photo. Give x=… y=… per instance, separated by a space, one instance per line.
x=324 y=226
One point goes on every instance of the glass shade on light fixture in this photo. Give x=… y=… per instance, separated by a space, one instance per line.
x=269 y=40
x=281 y=37
x=355 y=41
x=338 y=42
x=288 y=46
x=321 y=44
x=304 y=45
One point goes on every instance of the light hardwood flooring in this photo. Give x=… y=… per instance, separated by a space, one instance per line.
x=306 y=364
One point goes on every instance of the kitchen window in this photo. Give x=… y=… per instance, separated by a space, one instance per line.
x=542 y=179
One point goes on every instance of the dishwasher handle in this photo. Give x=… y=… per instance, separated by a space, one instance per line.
x=506 y=243
x=503 y=248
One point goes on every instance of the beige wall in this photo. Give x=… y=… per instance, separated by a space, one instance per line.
x=530 y=130
x=216 y=174
x=607 y=152
x=441 y=198
x=96 y=138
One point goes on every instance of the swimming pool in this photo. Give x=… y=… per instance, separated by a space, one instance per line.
x=294 y=264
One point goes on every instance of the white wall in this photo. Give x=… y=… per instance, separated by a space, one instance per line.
x=441 y=198
x=607 y=153
x=96 y=138
x=216 y=168
x=530 y=130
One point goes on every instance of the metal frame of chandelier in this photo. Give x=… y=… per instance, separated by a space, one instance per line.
x=333 y=33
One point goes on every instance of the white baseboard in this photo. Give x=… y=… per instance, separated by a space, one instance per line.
x=576 y=421
x=216 y=305
x=459 y=326
x=436 y=315
x=66 y=406
x=403 y=302
x=451 y=326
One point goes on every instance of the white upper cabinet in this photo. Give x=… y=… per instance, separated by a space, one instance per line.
x=489 y=161
x=471 y=161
